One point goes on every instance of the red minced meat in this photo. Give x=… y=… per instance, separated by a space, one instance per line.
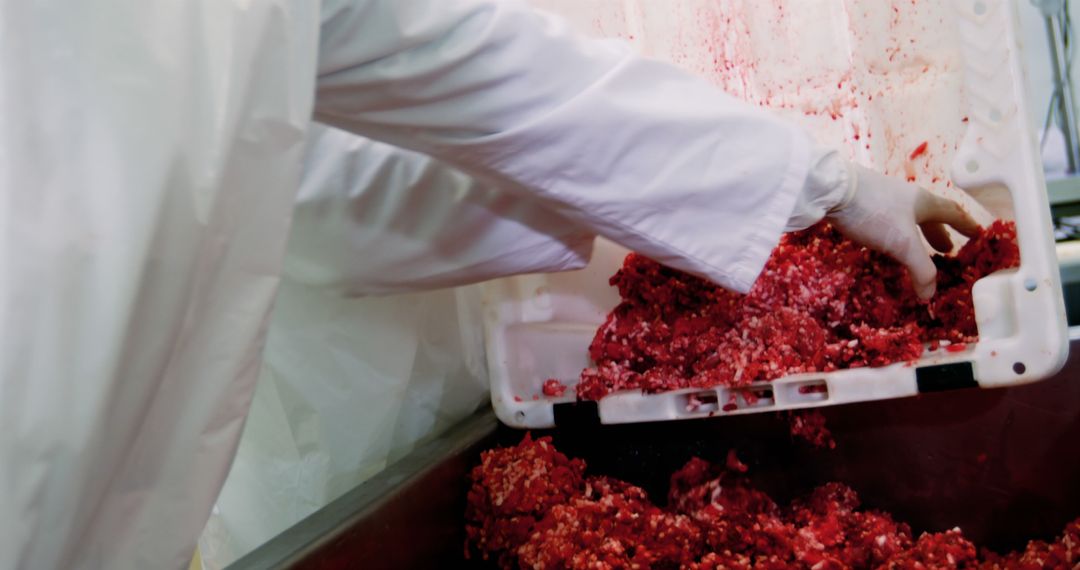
x=611 y=525
x=822 y=303
x=554 y=388
x=833 y=530
x=532 y=507
x=1062 y=553
x=947 y=549
x=515 y=487
x=809 y=426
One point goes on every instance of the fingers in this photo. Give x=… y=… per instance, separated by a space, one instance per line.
x=921 y=268
x=938 y=236
x=933 y=208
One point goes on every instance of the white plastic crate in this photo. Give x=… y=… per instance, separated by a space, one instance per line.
x=877 y=78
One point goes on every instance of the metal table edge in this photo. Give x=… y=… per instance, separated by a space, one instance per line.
x=324 y=525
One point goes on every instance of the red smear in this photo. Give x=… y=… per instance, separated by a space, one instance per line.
x=919 y=151
x=958 y=347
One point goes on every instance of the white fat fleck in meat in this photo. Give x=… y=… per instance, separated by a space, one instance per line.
x=714 y=496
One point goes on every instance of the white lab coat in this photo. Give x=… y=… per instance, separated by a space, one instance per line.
x=374 y=219
x=149 y=161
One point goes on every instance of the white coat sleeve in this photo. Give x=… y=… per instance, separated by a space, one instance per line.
x=376 y=219
x=638 y=151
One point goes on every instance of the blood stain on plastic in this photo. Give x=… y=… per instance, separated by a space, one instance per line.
x=919 y=151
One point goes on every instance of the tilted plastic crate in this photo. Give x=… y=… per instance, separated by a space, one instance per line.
x=876 y=78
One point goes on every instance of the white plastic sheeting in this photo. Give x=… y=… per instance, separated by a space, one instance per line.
x=348 y=386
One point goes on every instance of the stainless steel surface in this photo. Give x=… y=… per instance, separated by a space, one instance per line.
x=1002 y=464
x=408 y=516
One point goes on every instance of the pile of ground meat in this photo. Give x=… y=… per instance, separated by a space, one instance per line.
x=822 y=303
x=532 y=507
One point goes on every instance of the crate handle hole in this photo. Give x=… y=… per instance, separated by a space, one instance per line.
x=702 y=402
x=757 y=397
x=1019 y=368
x=811 y=391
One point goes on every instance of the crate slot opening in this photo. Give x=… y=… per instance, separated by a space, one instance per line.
x=811 y=391
x=701 y=402
x=760 y=397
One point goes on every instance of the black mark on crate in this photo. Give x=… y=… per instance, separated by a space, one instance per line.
x=946 y=377
x=577 y=414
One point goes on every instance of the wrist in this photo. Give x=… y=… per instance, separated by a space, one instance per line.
x=830 y=185
x=848 y=187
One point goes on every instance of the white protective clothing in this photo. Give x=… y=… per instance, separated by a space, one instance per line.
x=149 y=161
x=351 y=383
x=374 y=219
